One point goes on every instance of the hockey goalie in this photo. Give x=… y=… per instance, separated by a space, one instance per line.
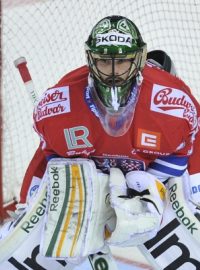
x=118 y=162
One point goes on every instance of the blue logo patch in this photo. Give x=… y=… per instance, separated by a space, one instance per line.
x=195 y=189
x=33 y=189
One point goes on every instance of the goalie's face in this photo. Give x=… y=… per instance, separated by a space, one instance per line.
x=113 y=71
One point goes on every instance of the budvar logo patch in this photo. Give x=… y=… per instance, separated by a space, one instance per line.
x=173 y=102
x=53 y=102
x=148 y=139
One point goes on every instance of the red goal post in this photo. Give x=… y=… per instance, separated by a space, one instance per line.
x=50 y=34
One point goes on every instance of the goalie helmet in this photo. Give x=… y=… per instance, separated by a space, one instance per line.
x=116 y=53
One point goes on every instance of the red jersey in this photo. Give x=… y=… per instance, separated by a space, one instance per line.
x=160 y=138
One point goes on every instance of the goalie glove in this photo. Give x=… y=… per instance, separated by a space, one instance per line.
x=149 y=190
x=139 y=203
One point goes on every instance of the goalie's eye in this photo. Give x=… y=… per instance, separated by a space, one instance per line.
x=103 y=62
x=118 y=66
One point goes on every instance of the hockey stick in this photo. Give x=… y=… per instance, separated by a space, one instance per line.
x=97 y=261
x=20 y=64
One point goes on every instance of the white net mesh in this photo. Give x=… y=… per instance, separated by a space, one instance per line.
x=50 y=34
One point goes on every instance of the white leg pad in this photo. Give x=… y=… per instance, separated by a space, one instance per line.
x=77 y=212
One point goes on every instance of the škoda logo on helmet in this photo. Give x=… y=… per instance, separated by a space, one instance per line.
x=113 y=38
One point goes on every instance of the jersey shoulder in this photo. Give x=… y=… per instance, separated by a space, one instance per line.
x=166 y=104
x=74 y=76
x=58 y=99
x=156 y=75
x=73 y=81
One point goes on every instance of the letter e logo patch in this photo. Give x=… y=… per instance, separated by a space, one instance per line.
x=148 y=139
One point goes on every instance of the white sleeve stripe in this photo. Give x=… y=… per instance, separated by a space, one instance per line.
x=160 y=175
x=171 y=165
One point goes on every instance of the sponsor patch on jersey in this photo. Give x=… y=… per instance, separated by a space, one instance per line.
x=148 y=139
x=54 y=101
x=173 y=102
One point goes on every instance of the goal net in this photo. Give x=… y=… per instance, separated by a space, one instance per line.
x=51 y=34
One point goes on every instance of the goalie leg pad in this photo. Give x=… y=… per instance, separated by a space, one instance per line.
x=103 y=260
x=76 y=209
x=25 y=225
x=180 y=203
x=20 y=246
x=177 y=243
